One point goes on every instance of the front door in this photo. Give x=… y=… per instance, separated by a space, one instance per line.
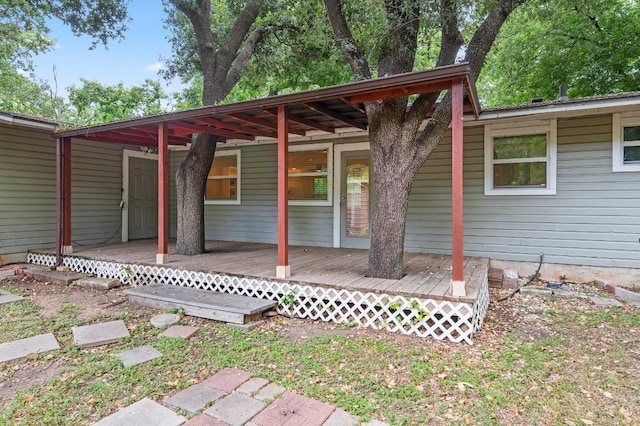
x=143 y=198
x=355 y=199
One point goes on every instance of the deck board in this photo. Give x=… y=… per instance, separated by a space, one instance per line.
x=427 y=275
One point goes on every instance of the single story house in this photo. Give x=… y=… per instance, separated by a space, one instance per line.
x=558 y=178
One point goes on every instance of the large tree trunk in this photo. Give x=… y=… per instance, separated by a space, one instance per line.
x=191 y=180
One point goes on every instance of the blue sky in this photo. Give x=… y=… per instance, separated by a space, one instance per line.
x=129 y=61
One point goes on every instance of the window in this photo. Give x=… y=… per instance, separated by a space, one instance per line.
x=310 y=175
x=223 y=182
x=626 y=142
x=520 y=159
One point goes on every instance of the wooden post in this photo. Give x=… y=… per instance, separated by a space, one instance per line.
x=457 y=287
x=59 y=202
x=67 y=247
x=163 y=194
x=283 y=269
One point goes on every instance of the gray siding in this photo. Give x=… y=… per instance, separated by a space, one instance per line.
x=27 y=189
x=592 y=220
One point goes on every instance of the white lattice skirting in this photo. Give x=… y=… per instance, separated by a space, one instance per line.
x=439 y=319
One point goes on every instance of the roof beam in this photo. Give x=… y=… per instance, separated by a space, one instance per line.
x=220 y=124
x=265 y=123
x=188 y=128
x=318 y=107
x=398 y=92
x=306 y=122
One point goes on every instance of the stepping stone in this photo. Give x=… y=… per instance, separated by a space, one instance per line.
x=227 y=379
x=236 y=409
x=295 y=410
x=29 y=346
x=8 y=297
x=341 y=418
x=181 y=331
x=271 y=391
x=138 y=355
x=194 y=398
x=605 y=301
x=55 y=277
x=98 y=283
x=204 y=420
x=252 y=387
x=165 y=320
x=143 y=413
x=99 y=334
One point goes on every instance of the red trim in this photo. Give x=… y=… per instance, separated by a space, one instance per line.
x=163 y=188
x=66 y=194
x=457 y=181
x=58 y=202
x=283 y=186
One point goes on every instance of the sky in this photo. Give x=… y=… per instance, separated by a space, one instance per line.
x=129 y=61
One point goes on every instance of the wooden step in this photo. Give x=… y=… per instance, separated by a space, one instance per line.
x=229 y=308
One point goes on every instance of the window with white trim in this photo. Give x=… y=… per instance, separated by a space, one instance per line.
x=310 y=175
x=626 y=142
x=520 y=159
x=223 y=181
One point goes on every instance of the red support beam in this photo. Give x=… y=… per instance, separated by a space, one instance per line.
x=457 y=219
x=163 y=193
x=67 y=248
x=59 y=199
x=283 y=269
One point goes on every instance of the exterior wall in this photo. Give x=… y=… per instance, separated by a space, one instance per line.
x=592 y=220
x=28 y=190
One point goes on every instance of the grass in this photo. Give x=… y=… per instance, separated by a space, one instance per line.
x=571 y=375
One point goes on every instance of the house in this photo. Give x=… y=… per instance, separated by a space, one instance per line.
x=556 y=178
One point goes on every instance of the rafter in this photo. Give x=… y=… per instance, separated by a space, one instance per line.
x=318 y=107
x=306 y=122
x=187 y=128
x=221 y=124
x=265 y=123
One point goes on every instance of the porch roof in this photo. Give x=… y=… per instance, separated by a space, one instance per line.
x=328 y=109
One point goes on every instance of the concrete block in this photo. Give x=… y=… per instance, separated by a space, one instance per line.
x=138 y=355
x=143 y=413
x=341 y=418
x=252 y=386
x=99 y=334
x=6 y=273
x=8 y=258
x=29 y=346
x=8 y=297
x=271 y=391
x=605 y=301
x=194 y=398
x=510 y=279
x=98 y=283
x=246 y=327
x=627 y=295
x=536 y=291
x=495 y=278
x=165 y=320
x=54 y=277
x=180 y=331
x=204 y=420
x=235 y=409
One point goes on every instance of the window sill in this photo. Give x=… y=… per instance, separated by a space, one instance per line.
x=520 y=191
x=316 y=203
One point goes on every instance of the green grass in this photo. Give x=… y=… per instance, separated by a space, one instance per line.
x=513 y=379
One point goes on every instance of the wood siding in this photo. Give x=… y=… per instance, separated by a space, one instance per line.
x=28 y=190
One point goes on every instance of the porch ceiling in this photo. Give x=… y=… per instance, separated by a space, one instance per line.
x=328 y=110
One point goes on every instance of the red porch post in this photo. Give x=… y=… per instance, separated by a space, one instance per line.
x=163 y=194
x=67 y=247
x=457 y=287
x=283 y=270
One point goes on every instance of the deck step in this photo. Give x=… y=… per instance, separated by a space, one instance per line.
x=229 y=308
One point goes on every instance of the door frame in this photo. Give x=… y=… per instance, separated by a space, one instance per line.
x=124 y=203
x=338 y=149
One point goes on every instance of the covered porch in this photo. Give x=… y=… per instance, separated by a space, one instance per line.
x=327 y=283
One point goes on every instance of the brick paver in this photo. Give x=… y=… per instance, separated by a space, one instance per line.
x=236 y=409
x=204 y=420
x=227 y=379
x=291 y=409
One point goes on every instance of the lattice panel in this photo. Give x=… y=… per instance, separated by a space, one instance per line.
x=439 y=319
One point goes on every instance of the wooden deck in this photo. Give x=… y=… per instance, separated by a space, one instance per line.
x=427 y=275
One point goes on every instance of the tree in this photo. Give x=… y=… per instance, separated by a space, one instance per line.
x=221 y=41
x=23 y=93
x=398 y=147
x=592 y=47
x=94 y=103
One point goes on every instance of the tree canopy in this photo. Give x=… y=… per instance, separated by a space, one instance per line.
x=590 y=46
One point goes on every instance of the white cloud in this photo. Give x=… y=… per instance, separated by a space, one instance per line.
x=154 y=67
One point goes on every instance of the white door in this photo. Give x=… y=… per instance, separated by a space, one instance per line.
x=355 y=199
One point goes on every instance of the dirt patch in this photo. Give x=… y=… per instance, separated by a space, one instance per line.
x=27 y=376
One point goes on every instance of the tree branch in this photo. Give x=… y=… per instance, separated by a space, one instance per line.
x=244 y=21
x=347 y=44
x=235 y=71
x=398 y=52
